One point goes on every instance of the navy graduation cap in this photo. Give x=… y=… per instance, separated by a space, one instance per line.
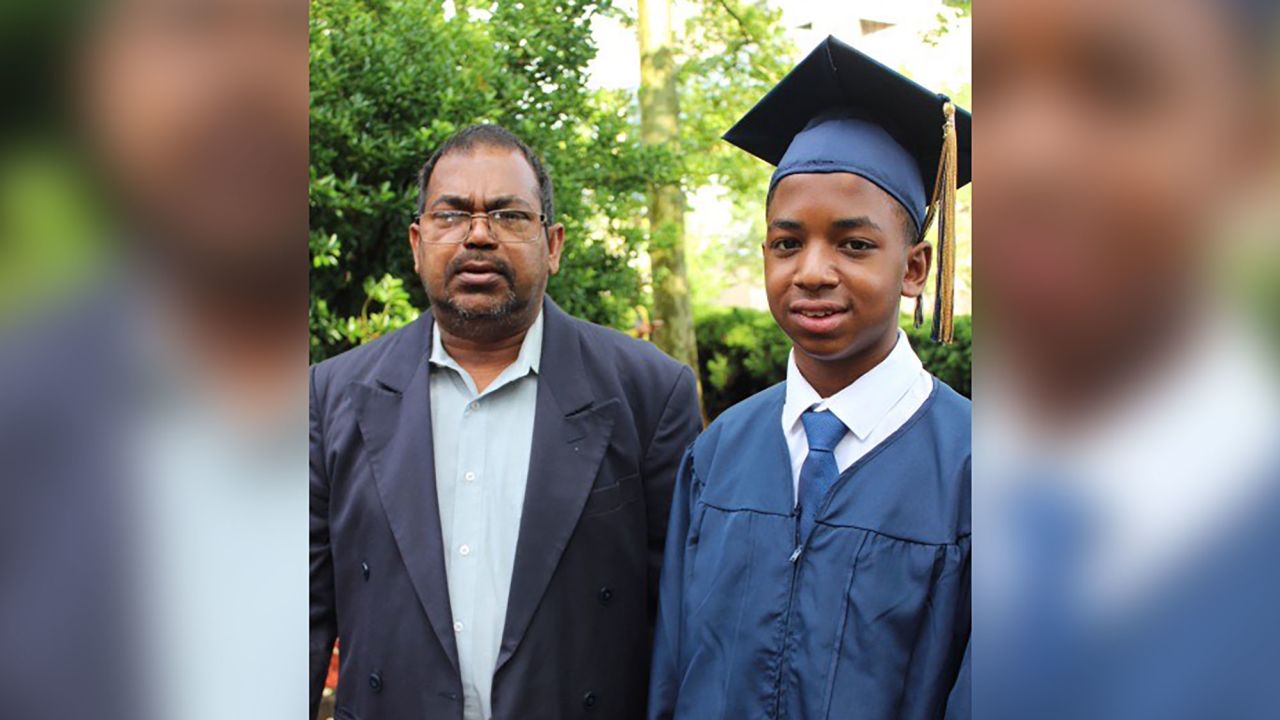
x=842 y=111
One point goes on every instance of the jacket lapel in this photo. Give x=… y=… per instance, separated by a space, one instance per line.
x=395 y=421
x=571 y=432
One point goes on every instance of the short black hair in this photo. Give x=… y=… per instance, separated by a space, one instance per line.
x=495 y=136
x=908 y=225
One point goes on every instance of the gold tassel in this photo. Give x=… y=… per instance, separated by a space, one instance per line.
x=943 y=209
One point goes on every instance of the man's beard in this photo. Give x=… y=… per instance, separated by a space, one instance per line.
x=510 y=306
x=492 y=322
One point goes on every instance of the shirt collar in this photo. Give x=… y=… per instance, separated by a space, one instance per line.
x=862 y=404
x=528 y=361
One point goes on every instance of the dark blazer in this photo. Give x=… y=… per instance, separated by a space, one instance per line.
x=613 y=418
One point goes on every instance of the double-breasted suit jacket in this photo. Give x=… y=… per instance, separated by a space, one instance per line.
x=613 y=418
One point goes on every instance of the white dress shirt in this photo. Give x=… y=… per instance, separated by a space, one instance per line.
x=482 y=443
x=871 y=407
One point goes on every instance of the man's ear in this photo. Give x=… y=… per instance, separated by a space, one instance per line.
x=555 y=245
x=919 y=258
x=415 y=240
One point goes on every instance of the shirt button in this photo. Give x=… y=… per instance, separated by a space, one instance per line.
x=457 y=626
x=465 y=550
x=469 y=477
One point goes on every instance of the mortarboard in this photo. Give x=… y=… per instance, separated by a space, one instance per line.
x=842 y=111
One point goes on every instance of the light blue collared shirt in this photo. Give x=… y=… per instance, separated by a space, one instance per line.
x=482 y=444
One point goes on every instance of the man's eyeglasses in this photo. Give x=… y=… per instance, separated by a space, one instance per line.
x=506 y=225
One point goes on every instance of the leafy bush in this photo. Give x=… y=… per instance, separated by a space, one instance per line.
x=952 y=364
x=740 y=352
x=743 y=351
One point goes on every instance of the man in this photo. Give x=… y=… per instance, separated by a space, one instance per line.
x=490 y=485
x=817 y=564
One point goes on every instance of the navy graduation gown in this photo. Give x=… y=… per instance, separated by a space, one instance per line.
x=868 y=617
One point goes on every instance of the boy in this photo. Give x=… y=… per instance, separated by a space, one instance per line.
x=817 y=561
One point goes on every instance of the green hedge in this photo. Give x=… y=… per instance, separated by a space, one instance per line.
x=742 y=351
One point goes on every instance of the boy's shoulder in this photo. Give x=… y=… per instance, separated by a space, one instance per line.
x=951 y=404
x=944 y=400
x=948 y=419
x=751 y=410
x=946 y=413
x=745 y=424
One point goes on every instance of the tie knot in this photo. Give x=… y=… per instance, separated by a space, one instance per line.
x=823 y=429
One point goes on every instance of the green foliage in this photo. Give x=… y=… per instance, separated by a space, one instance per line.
x=732 y=53
x=743 y=351
x=953 y=364
x=391 y=80
x=740 y=353
x=955 y=9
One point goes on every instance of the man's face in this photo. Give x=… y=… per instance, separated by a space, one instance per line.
x=484 y=278
x=836 y=262
x=197 y=111
x=1113 y=135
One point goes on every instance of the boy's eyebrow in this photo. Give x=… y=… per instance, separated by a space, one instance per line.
x=785 y=224
x=862 y=222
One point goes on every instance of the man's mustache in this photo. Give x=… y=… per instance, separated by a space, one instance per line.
x=498 y=265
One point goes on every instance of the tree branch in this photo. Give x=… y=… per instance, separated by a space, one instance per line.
x=750 y=36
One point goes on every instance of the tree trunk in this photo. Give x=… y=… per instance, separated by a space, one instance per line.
x=659 y=114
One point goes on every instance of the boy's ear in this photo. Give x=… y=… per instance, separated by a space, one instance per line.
x=919 y=258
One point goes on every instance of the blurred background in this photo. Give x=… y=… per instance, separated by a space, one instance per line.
x=626 y=101
x=1126 y=473
x=153 y=532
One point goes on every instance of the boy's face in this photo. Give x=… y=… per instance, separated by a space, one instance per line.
x=837 y=258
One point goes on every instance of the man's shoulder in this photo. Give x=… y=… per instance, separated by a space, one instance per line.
x=612 y=348
x=365 y=362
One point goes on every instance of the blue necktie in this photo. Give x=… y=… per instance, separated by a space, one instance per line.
x=819 y=471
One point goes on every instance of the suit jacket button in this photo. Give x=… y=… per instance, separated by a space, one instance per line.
x=605 y=595
x=375 y=682
x=364 y=570
x=589 y=700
